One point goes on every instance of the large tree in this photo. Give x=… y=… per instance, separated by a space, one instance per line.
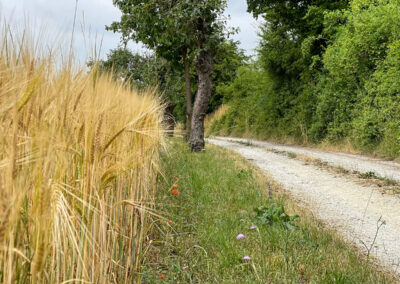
x=175 y=30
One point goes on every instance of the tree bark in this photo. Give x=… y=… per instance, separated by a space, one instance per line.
x=204 y=68
x=188 y=95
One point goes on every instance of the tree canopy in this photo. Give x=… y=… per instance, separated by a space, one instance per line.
x=145 y=71
x=170 y=27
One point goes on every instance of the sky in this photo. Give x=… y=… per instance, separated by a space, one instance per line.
x=56 y=17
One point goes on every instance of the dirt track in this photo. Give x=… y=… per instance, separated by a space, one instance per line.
x=362 y=164
x=352 y=209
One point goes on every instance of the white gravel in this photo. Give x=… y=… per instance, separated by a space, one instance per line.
x=362 y=164
x=350 y=208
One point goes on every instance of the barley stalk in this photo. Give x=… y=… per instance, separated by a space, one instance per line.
x=75 y=147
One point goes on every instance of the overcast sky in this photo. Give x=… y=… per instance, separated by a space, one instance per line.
x=57 y=18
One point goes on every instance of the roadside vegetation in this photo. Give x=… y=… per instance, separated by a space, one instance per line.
x=79 y=157
x=326 y=72
x=227 y=223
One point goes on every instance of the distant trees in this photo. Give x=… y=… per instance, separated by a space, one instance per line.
x=144 y=71
x=179 y=31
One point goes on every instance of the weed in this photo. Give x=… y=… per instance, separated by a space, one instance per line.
x=320 y=163
x=368 y=175
x=379 y=225
x=390 y=182
x=275 y=214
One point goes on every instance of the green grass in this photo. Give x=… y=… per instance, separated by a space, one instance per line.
x=218 y=192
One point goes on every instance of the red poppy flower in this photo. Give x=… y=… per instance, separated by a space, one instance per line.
x=175 y=192
x=170 y=222
x=175 y=186
x=162 y=276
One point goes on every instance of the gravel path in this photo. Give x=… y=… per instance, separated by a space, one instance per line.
x=362 y=164
x=350 y=208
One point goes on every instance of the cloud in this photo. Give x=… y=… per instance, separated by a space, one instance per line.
x=248 y=26
x=94 y=15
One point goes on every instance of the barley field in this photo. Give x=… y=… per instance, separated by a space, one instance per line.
x=79 y=157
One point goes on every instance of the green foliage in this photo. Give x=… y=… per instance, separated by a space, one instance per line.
x=275 y=214
x=252 y=108
x=170 y=26
x=228 y=59
x=359 y=89
x=145 y=71
x=368 y=175
x=330 y=71
x=175 y=30
x=290 y=52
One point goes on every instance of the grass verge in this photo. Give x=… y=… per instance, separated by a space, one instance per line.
x=217 y=194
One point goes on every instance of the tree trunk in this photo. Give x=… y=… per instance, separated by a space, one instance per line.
x=188 y=96
x=204 y=68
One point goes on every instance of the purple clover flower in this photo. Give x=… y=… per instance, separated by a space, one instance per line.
x=252 y=227
x=246 y=257
x=240 y=236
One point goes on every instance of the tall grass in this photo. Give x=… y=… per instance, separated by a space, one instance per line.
x=213 y=118
x=79 y=156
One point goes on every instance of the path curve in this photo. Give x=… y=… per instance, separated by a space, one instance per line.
x=350 y=208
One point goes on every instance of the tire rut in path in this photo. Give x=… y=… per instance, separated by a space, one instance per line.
x=353 y=210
